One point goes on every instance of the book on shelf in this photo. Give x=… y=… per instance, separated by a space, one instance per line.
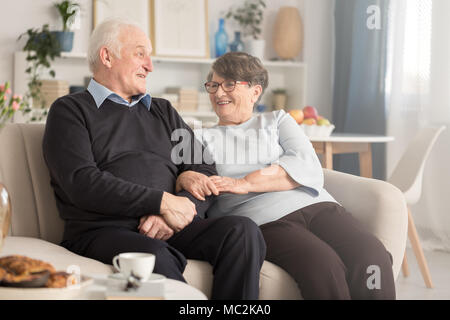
x=187 y=106
x=54 y=83
x=178 y=90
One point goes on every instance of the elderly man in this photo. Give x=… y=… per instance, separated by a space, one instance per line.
x=108 y=150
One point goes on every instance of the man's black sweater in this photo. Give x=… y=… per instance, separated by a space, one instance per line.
x=109 y=166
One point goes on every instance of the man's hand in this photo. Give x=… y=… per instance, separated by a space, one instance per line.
x=155 y=227
x=177 y=212
x=197 y=184
x=227 y=184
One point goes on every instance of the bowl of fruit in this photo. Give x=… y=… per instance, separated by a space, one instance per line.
x=311 y=122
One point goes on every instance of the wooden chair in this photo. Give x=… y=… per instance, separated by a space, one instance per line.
x=408 y=176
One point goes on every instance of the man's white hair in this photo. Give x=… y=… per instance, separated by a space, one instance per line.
x=106 y=34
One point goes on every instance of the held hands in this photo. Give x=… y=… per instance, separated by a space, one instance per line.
x=155 y=227
x=231 y=185
x=177 y=212
x=197 y=184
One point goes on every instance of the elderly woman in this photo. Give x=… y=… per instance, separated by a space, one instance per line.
x=270 y=173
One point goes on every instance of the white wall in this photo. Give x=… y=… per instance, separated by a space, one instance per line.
x=316 y=14
x=20 y=15
x=319 y=54
x=318 y=45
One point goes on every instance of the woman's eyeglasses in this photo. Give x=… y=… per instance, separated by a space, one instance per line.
x=227 y=86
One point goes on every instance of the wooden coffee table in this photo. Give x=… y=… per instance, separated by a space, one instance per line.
x=348 y=143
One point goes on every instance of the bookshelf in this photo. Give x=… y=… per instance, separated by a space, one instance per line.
x=172 y=72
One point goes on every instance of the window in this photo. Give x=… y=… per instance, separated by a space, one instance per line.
x=409 y=41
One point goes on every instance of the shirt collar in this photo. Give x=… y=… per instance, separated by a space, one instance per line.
x=100 y=93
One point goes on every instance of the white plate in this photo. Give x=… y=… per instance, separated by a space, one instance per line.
x=155 y=277
x=71 y=292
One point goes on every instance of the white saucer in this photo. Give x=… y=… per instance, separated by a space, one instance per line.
x=155 y=277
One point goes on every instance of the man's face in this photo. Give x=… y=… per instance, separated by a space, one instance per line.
x=131 y=69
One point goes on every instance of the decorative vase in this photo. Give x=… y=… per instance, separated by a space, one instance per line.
x=65 y=39
x=237 y=44
x=279 y=101
x=288 y=33
x=5 y=214
x=255 y=47
x=221 y=39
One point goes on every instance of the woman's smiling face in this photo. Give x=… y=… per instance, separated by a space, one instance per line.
x=236 y=106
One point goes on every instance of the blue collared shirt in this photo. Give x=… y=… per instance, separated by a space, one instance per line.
x=100 y=93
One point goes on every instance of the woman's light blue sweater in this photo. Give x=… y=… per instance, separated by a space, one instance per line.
x=266 y=139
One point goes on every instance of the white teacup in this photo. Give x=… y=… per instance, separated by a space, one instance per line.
x=141 y=264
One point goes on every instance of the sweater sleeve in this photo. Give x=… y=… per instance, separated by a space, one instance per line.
x=299 y=158
x=75 y=175
x=191 y=155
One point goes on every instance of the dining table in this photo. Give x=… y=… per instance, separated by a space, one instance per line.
x=339 y=143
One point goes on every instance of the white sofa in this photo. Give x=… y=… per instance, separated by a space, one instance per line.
x=36 y=228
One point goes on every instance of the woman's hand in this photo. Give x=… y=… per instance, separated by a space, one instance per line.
x=231 y=185
x=197 y=184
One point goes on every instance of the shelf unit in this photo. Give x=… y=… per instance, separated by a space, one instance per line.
x=193 y=72
x=172 y=72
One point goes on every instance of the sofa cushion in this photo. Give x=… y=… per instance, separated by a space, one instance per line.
x=24 y=173
x=274 y=283
x=277 y=284
x=58 y=256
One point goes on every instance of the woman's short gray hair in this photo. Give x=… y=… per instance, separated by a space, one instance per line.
x=242 y=67
x=106 y=34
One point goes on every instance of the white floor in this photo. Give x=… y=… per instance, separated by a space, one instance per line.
x=413 y=287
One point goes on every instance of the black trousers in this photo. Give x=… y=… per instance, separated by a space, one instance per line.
x=330 y=255
x=234 y=246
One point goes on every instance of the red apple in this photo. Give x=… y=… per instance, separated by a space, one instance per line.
x=310 y=112
x=297 y=115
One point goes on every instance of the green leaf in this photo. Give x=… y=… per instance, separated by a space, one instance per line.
x=41 y=47
x=249 y=16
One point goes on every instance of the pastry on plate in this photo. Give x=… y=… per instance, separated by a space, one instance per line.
x=21 y=265
x=2 y=274
x=24 y=272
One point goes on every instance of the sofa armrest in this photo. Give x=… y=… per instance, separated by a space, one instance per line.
x=380 y=206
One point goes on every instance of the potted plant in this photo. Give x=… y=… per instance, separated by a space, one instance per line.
x=250 y=17
x=42 y=47
x=67 y=9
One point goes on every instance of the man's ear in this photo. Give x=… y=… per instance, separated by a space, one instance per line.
x=106 y=57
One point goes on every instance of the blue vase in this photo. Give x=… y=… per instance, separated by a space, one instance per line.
x=65 y=39
x=237 y=44
x=221 y=39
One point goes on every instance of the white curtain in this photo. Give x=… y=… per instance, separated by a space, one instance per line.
x=418 y=95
